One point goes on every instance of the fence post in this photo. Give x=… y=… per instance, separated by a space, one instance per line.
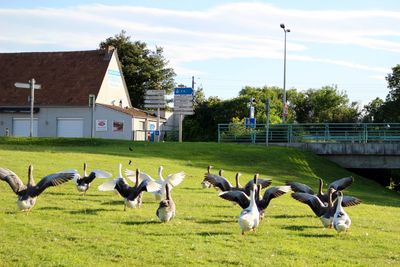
x=219 y=134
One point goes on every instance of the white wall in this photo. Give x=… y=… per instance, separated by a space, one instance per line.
x=113 y=87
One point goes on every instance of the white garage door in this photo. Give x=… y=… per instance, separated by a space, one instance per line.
x=70 y=127
x=22 y=127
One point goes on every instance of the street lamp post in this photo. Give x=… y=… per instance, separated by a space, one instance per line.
x=284 y=110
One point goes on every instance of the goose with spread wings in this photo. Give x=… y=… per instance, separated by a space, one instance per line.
x=130 y=194
x=337 y=185
x=27 y=194
x=173 y=180
x=243 y=199
x=83 y=182
x=224 y=185
x=325 y=210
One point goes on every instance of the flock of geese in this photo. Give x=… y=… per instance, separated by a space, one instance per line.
x=328 y=206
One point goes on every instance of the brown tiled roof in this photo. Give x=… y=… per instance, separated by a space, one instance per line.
x=134 y=112
x=67 y=78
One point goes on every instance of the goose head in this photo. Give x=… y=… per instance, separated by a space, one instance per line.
x=84 y=170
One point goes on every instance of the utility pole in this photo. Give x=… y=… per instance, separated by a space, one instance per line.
x=31 y=85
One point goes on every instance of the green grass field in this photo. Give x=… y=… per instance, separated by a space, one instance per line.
x=67 y=229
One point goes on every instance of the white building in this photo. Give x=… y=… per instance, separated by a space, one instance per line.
x=61 y=106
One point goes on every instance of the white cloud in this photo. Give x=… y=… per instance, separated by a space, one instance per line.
x=237 y=30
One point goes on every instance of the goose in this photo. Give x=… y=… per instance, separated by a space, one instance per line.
x=204 y=183
x=83 y=181
x=166 y=210
x=243 y=200
x=324 y=210
x=130 y=194
x=249 y=218
x=172 y=179
x=27 y=194
x=337 y=185
x=224 y=185
x=341 y=220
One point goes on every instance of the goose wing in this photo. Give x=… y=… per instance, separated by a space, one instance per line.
x=350 y=201
x=175 y=178
x=13 y=180
x=312 y=201
x=260 y=181
x=50 y=180
x=341 y=184
x=271 y=193
x=299 y=187
x=238 y=197
x=95 y=174
x=218 y=181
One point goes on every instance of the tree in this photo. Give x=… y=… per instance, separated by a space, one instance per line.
x=393 y=80
x=371 y=111
x=324 y=105
x=143 y=69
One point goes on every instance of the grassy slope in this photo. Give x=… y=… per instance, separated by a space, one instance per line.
x=67 y=229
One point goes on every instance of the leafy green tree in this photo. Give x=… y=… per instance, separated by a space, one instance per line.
x=324 y=105
x=143 y=68
x=389 y=111
x=371 y=111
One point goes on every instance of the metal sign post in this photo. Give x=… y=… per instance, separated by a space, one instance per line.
x=155 y=99
x=183 y=105
x=267 y=122
x=31 y=85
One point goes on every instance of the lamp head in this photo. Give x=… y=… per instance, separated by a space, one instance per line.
x=288 y=30
x=282 y=26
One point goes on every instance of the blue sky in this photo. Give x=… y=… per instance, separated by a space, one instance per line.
x=227 y=45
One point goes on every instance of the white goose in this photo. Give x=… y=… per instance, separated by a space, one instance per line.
x=341 y=220
x=250 y=217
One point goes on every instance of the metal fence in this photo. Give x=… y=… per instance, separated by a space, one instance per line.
x=310 y=132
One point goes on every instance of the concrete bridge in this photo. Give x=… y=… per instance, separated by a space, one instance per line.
x=355 y=155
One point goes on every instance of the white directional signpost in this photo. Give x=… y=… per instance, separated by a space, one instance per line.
x=31 y=85
x=155 y=99
x=183 y=104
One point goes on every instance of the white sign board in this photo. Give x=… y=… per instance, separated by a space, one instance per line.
x=101 y=125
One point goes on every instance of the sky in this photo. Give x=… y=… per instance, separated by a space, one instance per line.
x=227 y=45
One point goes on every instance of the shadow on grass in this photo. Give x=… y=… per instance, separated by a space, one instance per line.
x=213 y=233
x=51 y=208
x=207 y=221
x=290 y=216
x=89 y=211
x=140 y=222
x=317 y=235
x=113 y=202
x=300 y=227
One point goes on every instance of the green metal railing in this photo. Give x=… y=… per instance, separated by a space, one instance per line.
x=310 y=132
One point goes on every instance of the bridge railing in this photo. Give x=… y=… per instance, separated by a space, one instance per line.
x=310 y=132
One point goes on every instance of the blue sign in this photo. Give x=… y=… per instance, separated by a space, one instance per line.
x=250 y=122
x=157 y=132
x=184 y=91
